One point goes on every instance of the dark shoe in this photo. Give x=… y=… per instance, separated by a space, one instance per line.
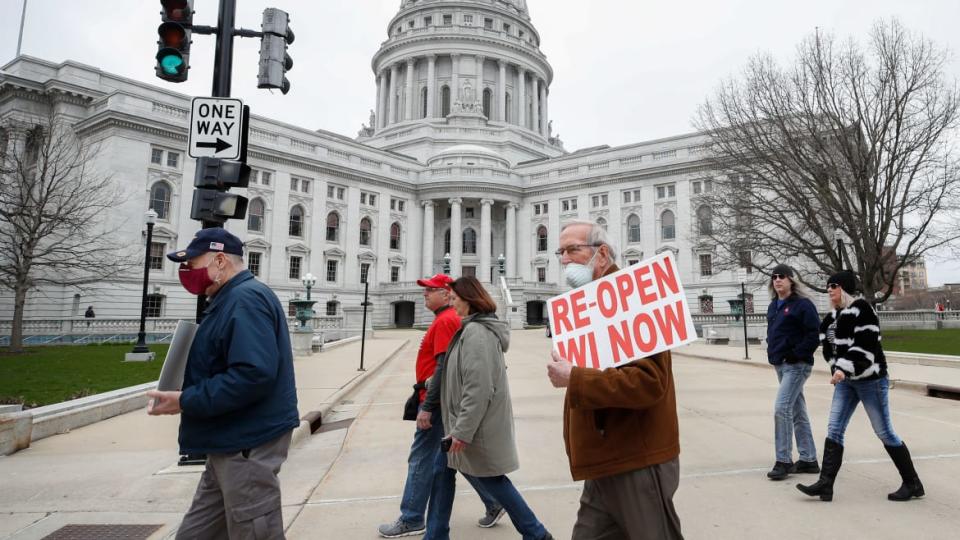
x=911 y=486
x=806 y=467
x=492 y=517
x=832 y=458
x=780 y=471
x=400 y=528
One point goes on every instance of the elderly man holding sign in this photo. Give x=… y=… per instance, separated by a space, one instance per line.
x=612 y=336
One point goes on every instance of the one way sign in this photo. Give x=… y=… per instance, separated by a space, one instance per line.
x=216 y=127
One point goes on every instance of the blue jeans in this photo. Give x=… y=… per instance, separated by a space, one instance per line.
x=874 y=396
x=421 y=467
x=498 y=487
x=790 y=414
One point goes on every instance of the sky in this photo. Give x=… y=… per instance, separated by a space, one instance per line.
x=625 y=71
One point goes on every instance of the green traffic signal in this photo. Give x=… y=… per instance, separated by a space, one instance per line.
x=171 y=64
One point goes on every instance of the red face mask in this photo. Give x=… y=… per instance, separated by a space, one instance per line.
x=195 y=280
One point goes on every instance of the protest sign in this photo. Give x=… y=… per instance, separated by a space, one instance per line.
x=623 y=317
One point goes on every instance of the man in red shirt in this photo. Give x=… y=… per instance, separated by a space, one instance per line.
x=426 y=440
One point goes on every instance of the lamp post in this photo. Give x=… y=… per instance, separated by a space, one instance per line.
x=502 y=261
x=140 y=350
x=838 y=237
x=446 y=264
x=309 y=281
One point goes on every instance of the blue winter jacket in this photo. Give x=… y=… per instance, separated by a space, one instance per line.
x=793 y=331
x=238 y=390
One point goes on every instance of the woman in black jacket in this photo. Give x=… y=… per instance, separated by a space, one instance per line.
x=850 y=335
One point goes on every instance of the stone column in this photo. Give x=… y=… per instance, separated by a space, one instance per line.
x=428 y=239
x=480 y=59
x=376 y=125
x=484 y=244
x=454 y=79
x=535 y=122
x=382 y=118
x=502 y=92
x=410 y=98
x=392 y=98
x=543 y=108
x=511 y=254
x=522 y=96
x=431 y=84
x=456 y=236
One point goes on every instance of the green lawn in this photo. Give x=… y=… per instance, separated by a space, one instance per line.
x=946 y=341
x=45 y=375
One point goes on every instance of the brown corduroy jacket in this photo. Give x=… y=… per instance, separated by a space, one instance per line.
x=621 y=419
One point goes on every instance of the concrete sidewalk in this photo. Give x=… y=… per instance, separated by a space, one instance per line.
x=123 y=470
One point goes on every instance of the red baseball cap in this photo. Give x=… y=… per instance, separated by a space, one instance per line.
x=439 y=281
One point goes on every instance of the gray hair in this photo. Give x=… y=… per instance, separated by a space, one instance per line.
x=596 y=236
x=235 y=260
x=845 y=300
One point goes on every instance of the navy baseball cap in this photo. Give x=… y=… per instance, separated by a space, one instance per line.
x=217 y=240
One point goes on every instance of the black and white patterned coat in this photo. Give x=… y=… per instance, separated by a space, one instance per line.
x=856 y=349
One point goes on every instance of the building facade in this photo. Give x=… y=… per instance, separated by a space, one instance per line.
x=457 y=168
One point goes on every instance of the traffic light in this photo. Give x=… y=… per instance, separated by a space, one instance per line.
x=211 y=202
x=173 y=56
x=274 y=60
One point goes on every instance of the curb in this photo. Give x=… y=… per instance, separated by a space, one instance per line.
x=315 y=417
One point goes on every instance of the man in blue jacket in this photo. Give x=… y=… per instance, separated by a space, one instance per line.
x=239 y=403
x=793 y=328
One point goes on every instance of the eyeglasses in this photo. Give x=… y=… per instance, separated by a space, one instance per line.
x=433 y=289
x=832 y=286
x=573 y=248
x=775 y=277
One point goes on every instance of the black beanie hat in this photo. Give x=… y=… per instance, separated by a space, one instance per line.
x=783 y=269
x=846 y=280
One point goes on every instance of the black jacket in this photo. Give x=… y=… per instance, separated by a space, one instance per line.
x=856 y=349
x=792 y=331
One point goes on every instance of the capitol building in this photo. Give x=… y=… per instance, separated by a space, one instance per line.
x=459 y=167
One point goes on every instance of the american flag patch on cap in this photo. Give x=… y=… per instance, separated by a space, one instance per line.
x=216 y=245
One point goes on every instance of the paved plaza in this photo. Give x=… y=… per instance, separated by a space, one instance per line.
x=343 y=482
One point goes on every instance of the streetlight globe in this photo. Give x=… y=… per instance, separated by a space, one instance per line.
x=151 y=216
x=309 y=280
x=501 y=259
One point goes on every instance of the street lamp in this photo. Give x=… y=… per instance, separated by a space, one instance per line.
x=502 y=261
x=446 y=264
x=304 y=307
x=140 y=350
x=838 y=237
x=309 y=281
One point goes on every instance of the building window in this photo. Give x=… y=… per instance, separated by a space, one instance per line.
x=394 y=274
x=447 y=20
x=507 y=115
x=255 y=216
x=154 y=307
x=667 y=226
x=365 y=230
x=487 y=101
x=446 y=241
x=398 y=205
x=445 y=101
x=427 y=21
x=332 y=271
x=469 y=241
x=568 y=205
x=173 y=159
x=424 y=95
x=706 y=304
x=364 y=272
x=705 y=220
x=296 y=221
x=395 y=236
x=746 y=260
x=541 y=274
x=706 y=265
x=667 y=191
x=540 y=208
x=305 y=185
x=335 y=192
x=160 y=200
x=368 y=199
x=156 y=156
x=468 y=20
x=488 y=23
x=633 y=229
x=506 y=28
x=157 y=255
x=296 y=263
x=602 y=223
x=632 y=195
x=294 y=183
x=291 y=310
x=265 y=177
x=333 y=227
x=541 y=239
x=253 y=263
x=697 y=187
x=600 y=200
x=332 y=307
x=631 y=262
x=469 y=213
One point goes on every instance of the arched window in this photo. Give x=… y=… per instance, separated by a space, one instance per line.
x=469 y=241
x=365 y=230
x=255 y=215
x=487 y=102
x=705 y=220
x=296 y=221
x=423 y=103
x=444 y=101
x=507 y=117
x=633 y=229
x=602 y=223
x=333 y=227
x=446 y=241
x=395 y=236
x=668 y=229
x=541 y=239
x=160 y=200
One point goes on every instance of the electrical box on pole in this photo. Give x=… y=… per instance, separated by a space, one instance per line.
x=274 y=60
x=174 y=34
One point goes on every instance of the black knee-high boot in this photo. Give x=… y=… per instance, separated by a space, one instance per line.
x=832 y=457
x=911 y=486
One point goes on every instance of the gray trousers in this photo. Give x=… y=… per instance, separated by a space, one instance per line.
x=635 y=505
x=238 y=497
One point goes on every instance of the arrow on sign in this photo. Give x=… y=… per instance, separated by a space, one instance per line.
x=220 y=145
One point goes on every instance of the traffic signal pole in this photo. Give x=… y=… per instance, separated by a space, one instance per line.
x=223 y=57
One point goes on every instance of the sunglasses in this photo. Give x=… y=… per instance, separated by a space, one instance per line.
x=832 y=286
x=775 y=277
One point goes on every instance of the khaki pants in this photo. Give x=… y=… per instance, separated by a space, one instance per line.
x=239 y=496
x=636 y=505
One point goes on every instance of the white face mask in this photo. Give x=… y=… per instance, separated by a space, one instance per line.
x=579 y=275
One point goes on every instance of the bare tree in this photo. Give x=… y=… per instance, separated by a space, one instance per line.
x=54 y=213
x=849 y=137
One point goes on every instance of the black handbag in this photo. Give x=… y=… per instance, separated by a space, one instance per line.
x=412 y=406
